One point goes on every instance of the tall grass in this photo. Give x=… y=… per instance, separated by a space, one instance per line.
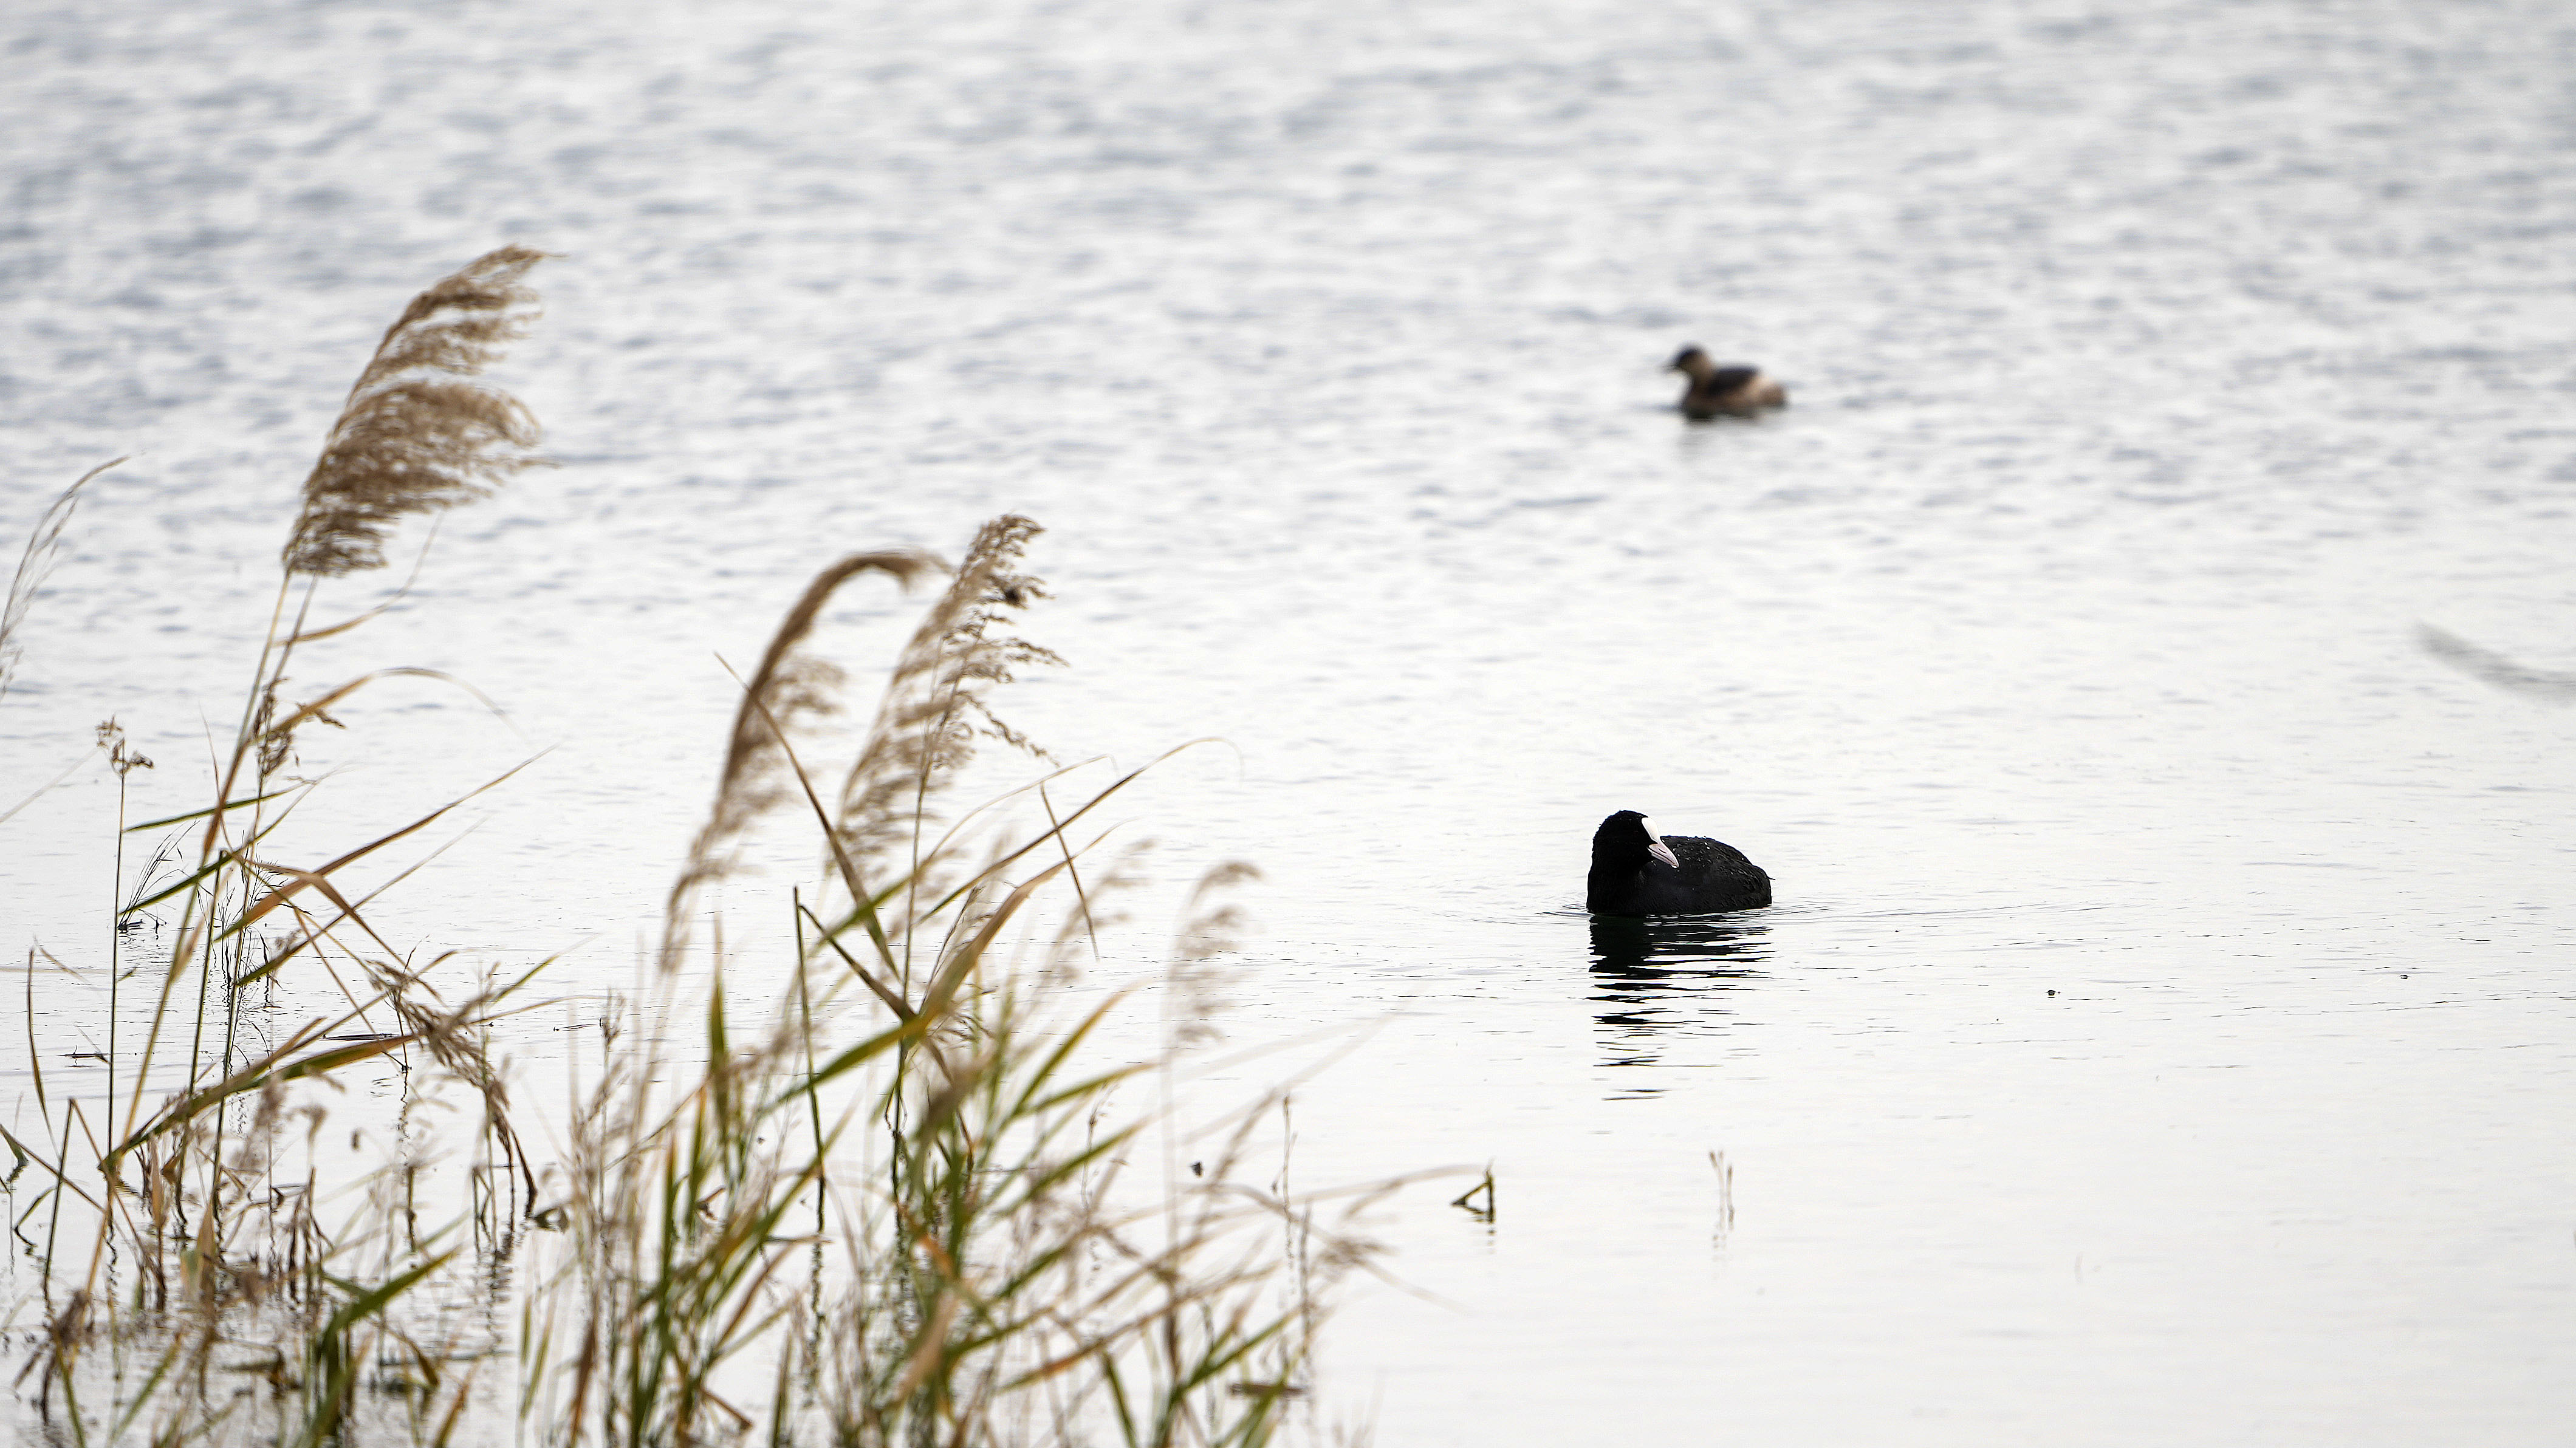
x=889 y=1209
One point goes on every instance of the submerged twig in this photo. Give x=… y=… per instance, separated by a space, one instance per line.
x=2495 y=668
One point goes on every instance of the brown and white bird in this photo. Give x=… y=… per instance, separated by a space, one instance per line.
x=1714 y=391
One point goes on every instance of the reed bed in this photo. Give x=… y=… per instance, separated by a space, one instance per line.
x=887 y=1204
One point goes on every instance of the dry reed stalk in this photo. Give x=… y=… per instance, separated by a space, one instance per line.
x=44 y=549
x=936 y=703
x=408 y=441
x=982 y=1270
x=790 y=685
x=1194 y=983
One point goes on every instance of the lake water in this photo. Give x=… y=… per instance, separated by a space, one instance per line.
x=2166 y=1032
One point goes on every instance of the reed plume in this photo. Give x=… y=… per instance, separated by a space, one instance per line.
x=935 y=705
x=410 y=441
x=972 y=1276
x=1212 y=927
x=789 y=685
x=44 y=547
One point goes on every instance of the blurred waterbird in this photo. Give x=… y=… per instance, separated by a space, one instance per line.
x=1730 y=391
x=1636 y=872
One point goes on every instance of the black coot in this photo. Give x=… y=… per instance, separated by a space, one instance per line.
x=1635 y=873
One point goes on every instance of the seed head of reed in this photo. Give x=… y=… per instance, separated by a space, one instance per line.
x=1211 y=927
x=411 y=438
x=936 y=704
x=44 y=547
x=790 y=685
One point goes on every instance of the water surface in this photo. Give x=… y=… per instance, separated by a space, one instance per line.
x=2164 y=1034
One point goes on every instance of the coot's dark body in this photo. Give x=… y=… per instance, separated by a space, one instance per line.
x=1692 y=877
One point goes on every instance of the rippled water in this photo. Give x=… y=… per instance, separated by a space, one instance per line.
x=2164 y=1034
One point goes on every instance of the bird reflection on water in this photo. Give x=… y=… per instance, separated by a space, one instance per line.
x=1662 y=976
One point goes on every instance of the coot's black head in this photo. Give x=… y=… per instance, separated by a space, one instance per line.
x=1626 y=842
x=1683 y=359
